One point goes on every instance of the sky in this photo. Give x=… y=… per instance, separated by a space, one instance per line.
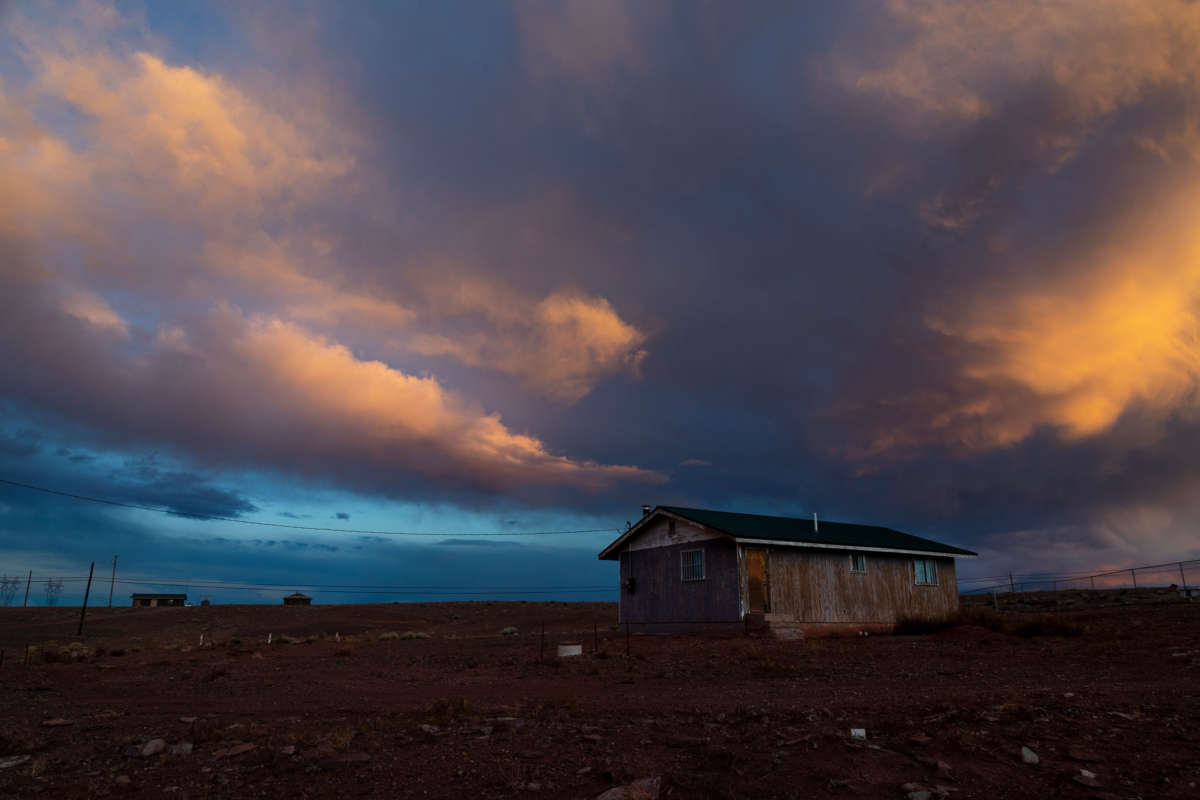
x=519 y=268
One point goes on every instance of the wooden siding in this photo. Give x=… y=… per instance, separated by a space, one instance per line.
x=666 y=531
x=662 y=600
x=817 y=586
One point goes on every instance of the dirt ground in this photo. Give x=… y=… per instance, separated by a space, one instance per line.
x=331 y=710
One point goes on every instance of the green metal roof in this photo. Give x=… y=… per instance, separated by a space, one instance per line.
x=791 y=529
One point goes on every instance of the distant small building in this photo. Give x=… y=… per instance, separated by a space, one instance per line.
x=689 y=569
x=146 y=600
x=297 y=599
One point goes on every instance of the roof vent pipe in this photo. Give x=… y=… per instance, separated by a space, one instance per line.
x=645 y=510
x=814 y=522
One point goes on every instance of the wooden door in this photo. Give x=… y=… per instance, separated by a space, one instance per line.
x=757 y=594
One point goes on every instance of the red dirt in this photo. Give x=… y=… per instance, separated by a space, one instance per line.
x=714 y=716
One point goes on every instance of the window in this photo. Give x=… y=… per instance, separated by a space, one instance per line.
x=691 y=564
x=925 y=571
x=858 y=562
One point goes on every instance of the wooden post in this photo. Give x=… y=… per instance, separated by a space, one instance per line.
x=1183 y=579
x=995 y=602
x=1011 y=586
x=28 y=581
x=112 y=582
x=86 y=592
x=1133 y=574
x=1093 y=580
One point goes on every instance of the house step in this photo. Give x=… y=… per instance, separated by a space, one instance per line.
x=779 y=626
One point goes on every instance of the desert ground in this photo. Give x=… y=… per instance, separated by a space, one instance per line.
x=1103 y=693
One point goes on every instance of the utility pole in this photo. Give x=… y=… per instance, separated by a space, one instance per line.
x=112 y=582
x=86 y=592
x=1011 y=586
x=28 y=581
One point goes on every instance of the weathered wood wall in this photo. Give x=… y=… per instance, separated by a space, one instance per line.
x=817 y=586
x=663 y=601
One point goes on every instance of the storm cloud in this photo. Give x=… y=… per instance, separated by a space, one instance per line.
x=926 y=264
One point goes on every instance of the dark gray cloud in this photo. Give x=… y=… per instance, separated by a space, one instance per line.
x=883 y=264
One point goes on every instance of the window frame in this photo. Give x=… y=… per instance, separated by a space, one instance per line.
x=928 y=565
x=854 y=558
x=683 y=565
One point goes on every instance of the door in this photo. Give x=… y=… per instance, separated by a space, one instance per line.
x=757 y=596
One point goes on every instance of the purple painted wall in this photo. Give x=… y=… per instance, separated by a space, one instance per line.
x=662 y=601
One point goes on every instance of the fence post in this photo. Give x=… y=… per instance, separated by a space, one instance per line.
x=1092 y=578
x=1183 y=579
x=1011 y=586
x=28 y=581
x=86 y=592
x=1133 y=574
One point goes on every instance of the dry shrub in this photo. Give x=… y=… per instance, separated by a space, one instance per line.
x=389 y=636
x=446 y=710
x=918 y=626
x=983 y=617
x=407 y=635
x=511 y=630
x=1048 y=625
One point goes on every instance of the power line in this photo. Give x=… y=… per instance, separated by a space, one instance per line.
x=313 y=528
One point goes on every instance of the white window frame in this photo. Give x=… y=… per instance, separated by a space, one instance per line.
x=854 y=558
x=923 y=569
x=683 y=566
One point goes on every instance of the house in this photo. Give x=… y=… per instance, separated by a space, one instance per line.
x=148 y=600
x=297 y=599
x=688 y=569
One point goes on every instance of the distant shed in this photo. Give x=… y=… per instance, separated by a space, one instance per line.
x=689 y=569
x=149 y=600
x=297 y=599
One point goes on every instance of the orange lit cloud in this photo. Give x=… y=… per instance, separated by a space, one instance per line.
x=181 y=188
x=957 y=57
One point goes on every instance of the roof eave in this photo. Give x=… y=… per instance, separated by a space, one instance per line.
x=856 y=548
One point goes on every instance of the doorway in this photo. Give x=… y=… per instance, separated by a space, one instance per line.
x=757 y=594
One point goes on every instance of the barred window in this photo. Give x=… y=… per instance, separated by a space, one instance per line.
x=692 y=565
x=925 y=571
x=858 y=562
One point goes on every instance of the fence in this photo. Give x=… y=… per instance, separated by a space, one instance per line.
x=1184 y=575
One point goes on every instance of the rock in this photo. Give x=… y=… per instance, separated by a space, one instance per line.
x=348 y=760
x=506 y=723
x=943 y=769
x=153 y=747
x=12 y=761
x=1028 y=756
x=1086 y=778
x=583 y=771
x=910 y=787
x=923 y=794
x=533 y=786
x=57 y=722
x=591 y=737
x=188 y=720
x=643 y=789
x=858 y=733
x=1077 y=753
x=124 y=782
x=290 y=750
x=236 y=750
x=432 y=730
x=181 y=749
